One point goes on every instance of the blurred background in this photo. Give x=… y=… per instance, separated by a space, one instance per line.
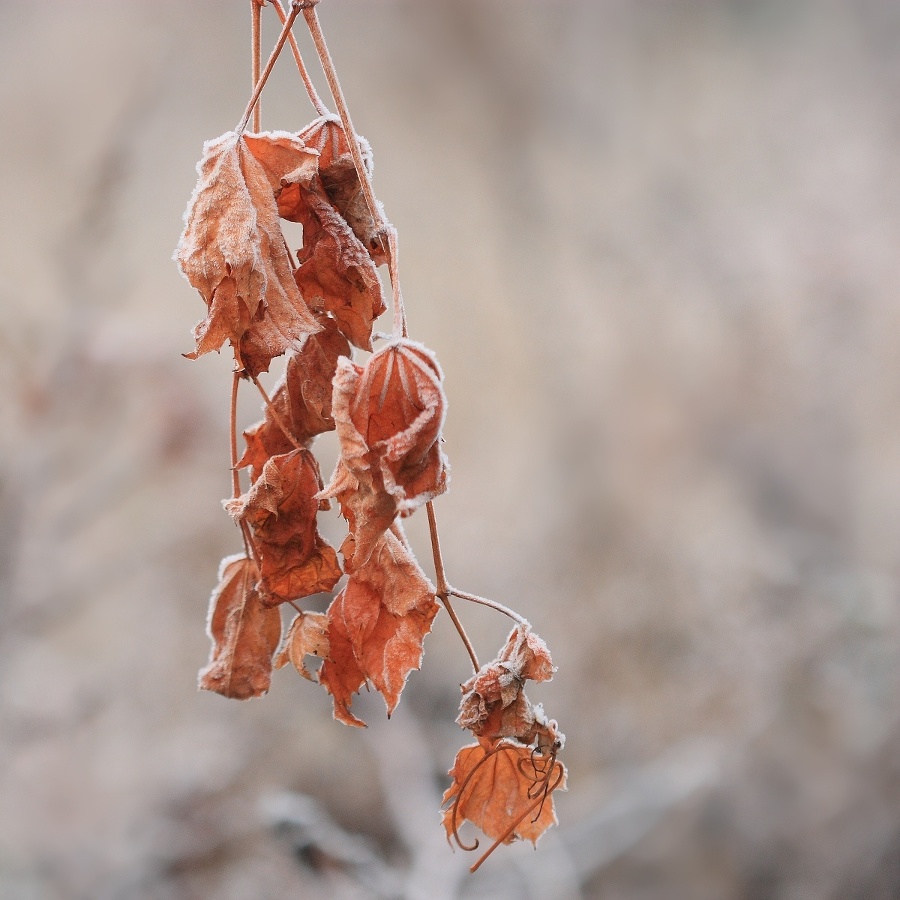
x=655 y=247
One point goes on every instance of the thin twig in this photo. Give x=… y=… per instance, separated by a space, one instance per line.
x=255 y=52
x=493 y=604
x=278 y=420
x=321 y=108
x=443 y=587
x=285 y=30
x=393 y=269
x=235 y=477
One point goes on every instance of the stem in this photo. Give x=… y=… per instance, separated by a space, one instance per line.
x=285 y=30
x=278 y=420
x=399 y=309
x=474 y=598
x=235 y=477
x=255 y=51
x=321 y=108
x=443 y=590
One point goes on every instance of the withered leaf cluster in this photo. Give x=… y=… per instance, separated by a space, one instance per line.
x=388 y=414
x=504 y=782
x=314 y=306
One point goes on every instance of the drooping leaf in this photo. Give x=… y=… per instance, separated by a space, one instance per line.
x=301 y=400
x=376 y=626
x=232 y=250
x=336 y=272
x=244 y=634
x=280 y=509
x=494 y=704
x=388 y=417
x=505 y=791
x=306 y=636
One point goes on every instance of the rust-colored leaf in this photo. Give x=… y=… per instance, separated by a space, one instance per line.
x=244 y=634
x=301 y=400
x=232 y=250
x=505 y=791
x=306 y=636
x=376 y=626
x=388 y=416
x=280 y=509
x=493 y=704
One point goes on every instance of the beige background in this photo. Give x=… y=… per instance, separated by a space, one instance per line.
x=655 y=247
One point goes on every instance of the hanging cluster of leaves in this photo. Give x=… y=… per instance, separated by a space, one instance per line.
x=387 y=409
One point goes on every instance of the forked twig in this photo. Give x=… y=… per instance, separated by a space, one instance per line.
x=321 y=108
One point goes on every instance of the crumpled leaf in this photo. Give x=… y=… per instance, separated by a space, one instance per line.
x=505 y=791
x=244 y=634
x=301 y=399
x=232 y=250
x=306 y=636
x=336 y=272
x=494 y=704
x=280 y=508
x=341 y=182
x=388 y=416
x=376 y=626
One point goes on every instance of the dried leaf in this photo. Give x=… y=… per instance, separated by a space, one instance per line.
x=506 y=791
x=301 y=400
x=232 y=250
x=280 y=509
x=376 y=626
x=388 y=416
x=493 y=704
x=243 y=632
x=307 y=636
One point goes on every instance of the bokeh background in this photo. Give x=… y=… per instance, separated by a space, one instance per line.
x=656 y=247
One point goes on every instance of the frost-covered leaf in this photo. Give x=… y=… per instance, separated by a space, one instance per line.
x=388 y=416
x=336 y=273
x=244 y=634
x=306 y=636
x=376 y=626
x=232 y=250
x=280 y=509
x=301 y=400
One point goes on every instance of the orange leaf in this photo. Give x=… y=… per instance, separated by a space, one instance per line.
x=506 y=791
x=388 y=416
x=376 y=626
x=232 y=250
x=244 y=634
x=280 y=509
x=336 y=272
x=301 y=399
x=306 y=636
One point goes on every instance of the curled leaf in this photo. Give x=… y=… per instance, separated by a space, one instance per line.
x=376 y=626
x=244 y=634
x=388 y=416
x=306 y=636
x=301 y=400
x=280 y=509
x=232 y=250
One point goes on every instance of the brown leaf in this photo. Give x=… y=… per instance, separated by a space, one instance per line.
x=301 y=399
x=376 y=626
x=232 y=250
x=505 y=791
x=244 y=634
x=307 y=636
x=336 y=272
x=280 y=509
x=388 y=416
x=493 y=704
x=279 y=153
